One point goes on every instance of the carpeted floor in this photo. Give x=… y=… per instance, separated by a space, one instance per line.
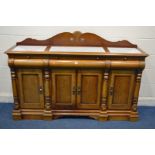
x=147 y=121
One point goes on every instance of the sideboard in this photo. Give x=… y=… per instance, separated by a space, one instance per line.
x=76 y=74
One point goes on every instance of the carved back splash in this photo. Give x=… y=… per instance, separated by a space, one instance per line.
x=77 y=39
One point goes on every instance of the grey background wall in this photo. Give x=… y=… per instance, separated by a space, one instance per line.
x=143 y=36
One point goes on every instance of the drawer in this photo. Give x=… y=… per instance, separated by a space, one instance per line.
x=77 y=63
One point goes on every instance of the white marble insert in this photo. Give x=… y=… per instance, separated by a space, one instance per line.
x=30 y=48
x=123 y=50
x=76 y=49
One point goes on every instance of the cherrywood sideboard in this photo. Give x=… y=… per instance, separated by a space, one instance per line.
x=76 y=74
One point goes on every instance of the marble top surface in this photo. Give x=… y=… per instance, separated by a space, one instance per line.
x=30 y=48
x=123 y=50
x=76 y=49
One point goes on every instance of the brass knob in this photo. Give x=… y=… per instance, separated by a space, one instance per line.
x=40 y=89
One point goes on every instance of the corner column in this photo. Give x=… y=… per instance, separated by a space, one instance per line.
x=136 y=91
x=134 y=113
x=16 y=110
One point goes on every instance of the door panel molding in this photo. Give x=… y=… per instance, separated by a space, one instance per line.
x=89 y=86
x=30 y=86
x=121 y=89
x=63 y=86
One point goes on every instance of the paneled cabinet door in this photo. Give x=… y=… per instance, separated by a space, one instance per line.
x=63 y=88
x=121 y=89
x=30 y=88
x=89 y=89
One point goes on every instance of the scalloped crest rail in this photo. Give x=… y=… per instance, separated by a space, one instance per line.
x=77 y=39
x=101 y=85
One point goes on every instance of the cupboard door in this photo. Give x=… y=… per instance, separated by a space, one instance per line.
x=89 y=89
x=121 y=89
x=63 y=88
x=31 y=88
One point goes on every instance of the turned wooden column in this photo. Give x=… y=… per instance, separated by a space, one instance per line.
x=47 y=112
x=137 y=88
x=105 y=85
x=14 y=89
x=105 y=90
x=16 y=111
x=47 y=89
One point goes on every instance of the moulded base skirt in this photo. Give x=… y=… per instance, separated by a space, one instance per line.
x=126 y=115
